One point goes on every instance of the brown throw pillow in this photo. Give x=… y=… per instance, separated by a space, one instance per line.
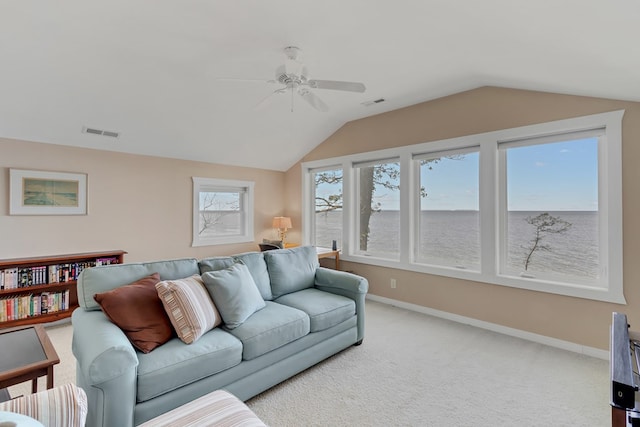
x=138 y=311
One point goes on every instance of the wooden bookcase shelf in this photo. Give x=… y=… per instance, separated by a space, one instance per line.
x=26 y=282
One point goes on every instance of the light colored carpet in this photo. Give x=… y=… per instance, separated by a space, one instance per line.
x=418 y=370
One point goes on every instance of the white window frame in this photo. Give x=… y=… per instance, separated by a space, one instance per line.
x=491 y=181
x=246 y=191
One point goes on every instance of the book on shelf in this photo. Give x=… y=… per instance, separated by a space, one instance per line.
x=106 y=261
x=10 y=278
x=16 y=278
x=32 y=305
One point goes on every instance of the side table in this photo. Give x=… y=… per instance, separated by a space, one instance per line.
x=27 y=353
x=329 y=253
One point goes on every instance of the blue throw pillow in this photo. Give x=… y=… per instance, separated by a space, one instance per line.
x=258 y=269
x=234 y=293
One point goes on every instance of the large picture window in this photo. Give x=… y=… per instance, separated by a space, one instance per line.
x=222 y=211
x=551 y=220
x=536 y=207
x=449 y=218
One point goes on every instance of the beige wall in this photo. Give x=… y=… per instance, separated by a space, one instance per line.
x=142 y=205
x=139 y=204
x=486 y=109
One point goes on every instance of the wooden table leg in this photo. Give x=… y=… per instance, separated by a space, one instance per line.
x=337 y=260
x=618 y=417
x=34 y=385
x=50 y=377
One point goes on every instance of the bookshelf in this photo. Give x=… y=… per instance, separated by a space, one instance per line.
x=43 y=289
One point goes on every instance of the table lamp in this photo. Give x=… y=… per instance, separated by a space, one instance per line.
x=282 y=223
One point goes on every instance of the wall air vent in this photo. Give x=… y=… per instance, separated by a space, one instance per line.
x=375 y=101
x=95 y=131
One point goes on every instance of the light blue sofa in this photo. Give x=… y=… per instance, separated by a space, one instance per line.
x=311 y=313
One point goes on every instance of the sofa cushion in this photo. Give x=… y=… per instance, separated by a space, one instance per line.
x=106 y=277
x=138 y=311
x=175 y=364
x=215 y=263
x=234 y=293
x=291 y=270
x=270 y=328
x=258 y=268
x=189 y=306
x=323 y=308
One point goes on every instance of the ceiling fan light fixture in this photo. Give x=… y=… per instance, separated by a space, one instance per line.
x=293 y=75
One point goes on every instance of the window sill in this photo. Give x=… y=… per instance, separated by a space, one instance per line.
x=546 y=286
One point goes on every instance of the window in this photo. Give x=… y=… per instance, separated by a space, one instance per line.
x=378 y=224
x=536 y=207
x=448 y=220
x=222 y=211
x=327 y=224
x=551 y=222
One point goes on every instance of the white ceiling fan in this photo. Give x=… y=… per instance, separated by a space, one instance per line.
x=294 y=77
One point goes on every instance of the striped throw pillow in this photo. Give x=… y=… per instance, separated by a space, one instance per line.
x=189 y=307
x=65 y=405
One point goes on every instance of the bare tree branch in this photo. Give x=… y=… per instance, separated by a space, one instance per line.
x=545 y=224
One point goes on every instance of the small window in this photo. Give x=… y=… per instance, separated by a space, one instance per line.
x=222 y=211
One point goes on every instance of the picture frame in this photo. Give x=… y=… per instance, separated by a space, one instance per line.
x=33 y=192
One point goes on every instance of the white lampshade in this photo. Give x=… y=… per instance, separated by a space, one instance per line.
x=282 y=222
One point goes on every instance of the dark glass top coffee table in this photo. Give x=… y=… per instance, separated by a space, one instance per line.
x=27 y=353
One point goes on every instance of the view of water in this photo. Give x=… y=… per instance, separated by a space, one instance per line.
x=452 y=238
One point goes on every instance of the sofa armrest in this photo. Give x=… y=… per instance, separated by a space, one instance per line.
x=348 y=282
x=106 y=368
x=65 y=405
x=101 y=348
x=348 y=285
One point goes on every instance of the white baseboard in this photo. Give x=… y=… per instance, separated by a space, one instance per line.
x=552 y=342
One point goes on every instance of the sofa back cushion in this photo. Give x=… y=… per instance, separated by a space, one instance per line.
x=96 y=280
x=291 y=270
x=215 y=263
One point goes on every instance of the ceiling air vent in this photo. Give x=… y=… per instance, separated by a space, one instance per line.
x=375 y=101
x=95 y=131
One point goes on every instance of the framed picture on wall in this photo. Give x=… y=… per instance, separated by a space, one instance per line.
x=47 y=193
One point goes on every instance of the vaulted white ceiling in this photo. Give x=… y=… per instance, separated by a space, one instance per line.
x=158 y=71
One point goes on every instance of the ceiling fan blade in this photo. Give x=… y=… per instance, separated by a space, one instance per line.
x=266 y=100
x=224 y=79
x=313 y=100
x=337 y=85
